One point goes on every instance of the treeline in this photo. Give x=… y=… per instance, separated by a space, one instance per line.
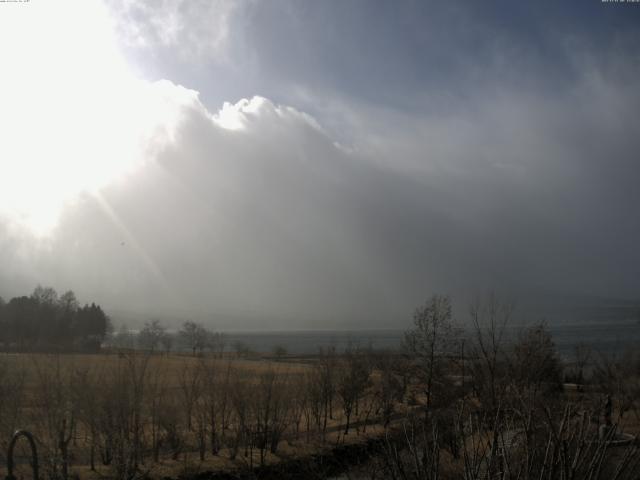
x=154 y=337
x=46 y=321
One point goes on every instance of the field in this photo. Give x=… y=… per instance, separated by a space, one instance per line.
x=166 y=415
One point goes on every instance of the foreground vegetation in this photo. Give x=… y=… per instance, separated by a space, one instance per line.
x=489 y=405
x=504 y=408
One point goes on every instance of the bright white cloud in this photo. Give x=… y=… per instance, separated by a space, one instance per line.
x=72 y=116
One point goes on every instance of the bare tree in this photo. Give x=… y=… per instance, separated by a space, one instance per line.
x=619 y=378
x=315 y=405
x=151 y=335
x=210 y=399
x=326 y=375
x=217 y=343
x=279 y=351
x=201 y=417
x=169 y=420
x=534 y=366
x=429 y=341
x=270 y=409
x=353 y=379
x=388 y=390
x=88 y=409
x=195 y=336
x=56 y=412
x=121 y=398
x=490 y=319
x=240 y=425
x=158 y=391
x=167 y=342
x=564 y=447
x=190 y=382
x=241 y=348
x=299 y=393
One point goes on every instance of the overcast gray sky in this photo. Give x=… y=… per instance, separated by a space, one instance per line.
x=295 y=164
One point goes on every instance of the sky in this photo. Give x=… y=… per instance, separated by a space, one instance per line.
x=286 y=164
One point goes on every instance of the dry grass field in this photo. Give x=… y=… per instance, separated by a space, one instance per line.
x=171 y=366
x=97 y=415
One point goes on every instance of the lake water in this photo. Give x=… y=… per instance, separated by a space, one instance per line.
x=604 y=337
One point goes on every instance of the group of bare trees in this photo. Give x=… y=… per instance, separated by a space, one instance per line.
x=127 y=412
x=492 y=404
x=154 y=337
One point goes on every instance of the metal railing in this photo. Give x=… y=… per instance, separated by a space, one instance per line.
x=34 y=454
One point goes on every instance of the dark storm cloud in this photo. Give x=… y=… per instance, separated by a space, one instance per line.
x=276 y=222
x=407 y=55
x=449 y=148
